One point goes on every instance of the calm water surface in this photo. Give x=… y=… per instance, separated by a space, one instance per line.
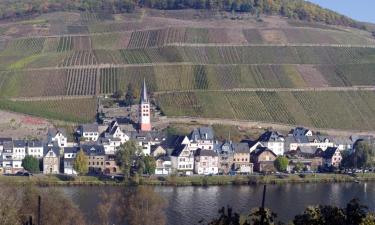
x=188 y=205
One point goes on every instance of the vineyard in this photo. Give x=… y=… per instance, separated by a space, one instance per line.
x=195 y=64
x=74 y=110
x=81 y=81
x=317 y=109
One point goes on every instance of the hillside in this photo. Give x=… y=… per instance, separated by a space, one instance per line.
x=196 y=63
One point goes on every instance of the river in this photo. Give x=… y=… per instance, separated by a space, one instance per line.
x=188 y=205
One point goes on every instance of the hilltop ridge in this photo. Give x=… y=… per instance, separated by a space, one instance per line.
x=296 y=9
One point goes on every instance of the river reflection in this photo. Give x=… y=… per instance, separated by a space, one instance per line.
x=188 y=205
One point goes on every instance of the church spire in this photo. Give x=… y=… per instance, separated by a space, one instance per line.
x=144 y=97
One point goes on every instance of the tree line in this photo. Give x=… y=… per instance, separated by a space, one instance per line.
x=296 y=9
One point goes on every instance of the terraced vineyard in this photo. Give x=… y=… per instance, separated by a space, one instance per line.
x=317 y=109
x=74 y=110
x=274 y=70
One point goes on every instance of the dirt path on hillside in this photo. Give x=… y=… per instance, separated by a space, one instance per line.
x=20 y=126
x=252 y=125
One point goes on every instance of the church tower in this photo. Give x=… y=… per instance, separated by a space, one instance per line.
x=144 y=110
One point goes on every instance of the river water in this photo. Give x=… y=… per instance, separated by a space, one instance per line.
x=188 y=205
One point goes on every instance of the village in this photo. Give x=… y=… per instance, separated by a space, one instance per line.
x=197 y=153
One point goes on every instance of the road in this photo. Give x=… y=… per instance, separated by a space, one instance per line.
x=253 y=124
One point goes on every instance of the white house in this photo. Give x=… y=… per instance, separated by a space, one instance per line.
x=206 y=162
x=115 y=131
x=273 y=141
x=332 y=157
x=163 y=165
x=202 y=137
x=19 y=149
x=110 y=145
x=90 y=132
x=183 y=160
x=9 y=164
x=70 y=154
x=59 y=136
x=146 y=140
x=35 y=149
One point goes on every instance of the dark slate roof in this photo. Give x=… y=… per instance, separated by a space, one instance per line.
x=2 y=140
x=250 y=143
x=202 y=152
x=177 y=150
x=299 y=131
x=260 y=150
x=53 y=131
x=90 y=128
x=223 y=147
x=148 y=135
x=307 y=149
x=240 y=147
x=19 y=143
x=329 y=152
x=8 y=145
x=35 y=144
x=93 y=149
x=271 y=136
x=55 y=149
x=202 y=133
x=71 y=150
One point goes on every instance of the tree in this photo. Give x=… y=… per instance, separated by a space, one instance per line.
x=31 y=164
x=299 y=167
x=129 y=97
x=126 y=157
x=150 y=164
x=255 y=215
x=281 y=163
x=81 y=163
x=363 y=156
x=354 y=213
x=144 y=207
x=118 y=94
x=226 y=217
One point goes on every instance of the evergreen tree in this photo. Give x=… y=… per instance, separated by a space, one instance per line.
x=30 y=164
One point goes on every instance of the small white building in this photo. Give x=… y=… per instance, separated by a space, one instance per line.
x=274 y=141
x=70 y=155
x=59 y=136
x=110 y=145
x=206 y=162
x=163 y=165
x=35 y=149
x=89 y=132
x=115 y=131
x=19 y=149
x=332 y=157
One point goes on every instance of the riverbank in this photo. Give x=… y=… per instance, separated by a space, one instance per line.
x=56 y=180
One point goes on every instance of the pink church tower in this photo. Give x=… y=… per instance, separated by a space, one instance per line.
x=145 y=111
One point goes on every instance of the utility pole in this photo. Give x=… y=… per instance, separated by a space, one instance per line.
x=39 y=210
x=262 y=210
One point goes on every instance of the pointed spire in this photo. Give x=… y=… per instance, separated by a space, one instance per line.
x=144 y=92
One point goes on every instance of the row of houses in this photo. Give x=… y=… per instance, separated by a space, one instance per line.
x=200 y=153
x=196 y=153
